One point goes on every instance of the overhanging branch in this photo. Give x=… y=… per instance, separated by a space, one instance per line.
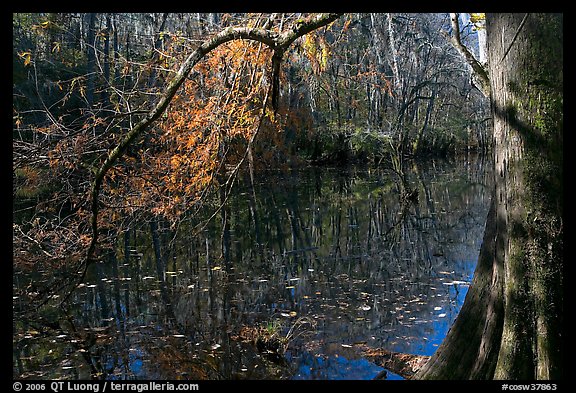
x=277 y=42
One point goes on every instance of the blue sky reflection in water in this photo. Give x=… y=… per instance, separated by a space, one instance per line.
x=337 y=366
x=330 y=259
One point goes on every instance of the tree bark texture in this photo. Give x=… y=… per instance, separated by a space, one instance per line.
x=525 y=67
x=510 y=326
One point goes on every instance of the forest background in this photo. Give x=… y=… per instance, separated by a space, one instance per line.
x=368 y=88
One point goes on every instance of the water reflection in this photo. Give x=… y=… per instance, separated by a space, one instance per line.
x=331 y=260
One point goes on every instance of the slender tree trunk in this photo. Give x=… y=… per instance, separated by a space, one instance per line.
x=392 y=40
x=116 y=48
x=105 y=97
x=510 y=326
x=91 y=58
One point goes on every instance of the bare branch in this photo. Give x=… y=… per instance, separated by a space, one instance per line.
x=480 y=73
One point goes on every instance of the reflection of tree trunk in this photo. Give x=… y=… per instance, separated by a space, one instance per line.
x=278 y=225
x=105 y=312
x=254 y=211
x=136 y=278
x=116 y=288
x=293 y=220
x=473 y=352
x=161 y=270
x=224 y=215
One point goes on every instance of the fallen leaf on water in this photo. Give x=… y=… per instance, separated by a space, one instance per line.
x=456 y=282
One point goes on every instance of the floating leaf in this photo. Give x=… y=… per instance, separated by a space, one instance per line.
x=456 y=282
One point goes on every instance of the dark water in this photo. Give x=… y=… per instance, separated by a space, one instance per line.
x=332 y=261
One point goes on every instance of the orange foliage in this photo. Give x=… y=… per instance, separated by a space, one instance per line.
x=204 y=133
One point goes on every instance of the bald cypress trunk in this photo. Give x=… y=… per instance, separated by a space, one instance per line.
x=526 y=76
x=510 y=326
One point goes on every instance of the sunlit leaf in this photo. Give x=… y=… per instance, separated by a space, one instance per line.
x=26 y=56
